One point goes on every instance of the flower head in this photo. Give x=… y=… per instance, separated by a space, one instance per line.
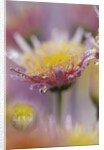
x=53 y=63
x=21 y=115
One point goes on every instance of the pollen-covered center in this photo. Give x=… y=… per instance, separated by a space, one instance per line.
x=51 y=54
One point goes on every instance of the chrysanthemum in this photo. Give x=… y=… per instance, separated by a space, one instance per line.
x=51 y=64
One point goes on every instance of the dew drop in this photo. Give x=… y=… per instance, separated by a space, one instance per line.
x=43 y=90
x=70 y=77
x=44 y=77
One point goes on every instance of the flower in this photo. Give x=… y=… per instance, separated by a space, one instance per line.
x=21 y=115
x=30 y=125
x=54 y=63
x=47 y=126
x=80 y=136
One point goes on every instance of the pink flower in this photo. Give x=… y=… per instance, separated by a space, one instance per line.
x=53 y=64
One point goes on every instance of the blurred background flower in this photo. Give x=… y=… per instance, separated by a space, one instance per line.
x=34 y=129
x=29 y=18
x=31 y=125
x=80 y=136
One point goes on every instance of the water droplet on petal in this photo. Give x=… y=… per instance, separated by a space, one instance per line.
x=44 y=77
x=71 y=76
x=43 y=90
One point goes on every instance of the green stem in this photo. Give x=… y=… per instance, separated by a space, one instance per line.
x=58 y=93
x=59 y=105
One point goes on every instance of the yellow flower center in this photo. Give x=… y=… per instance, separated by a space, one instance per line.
x=52 y=54
x=22 y=116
